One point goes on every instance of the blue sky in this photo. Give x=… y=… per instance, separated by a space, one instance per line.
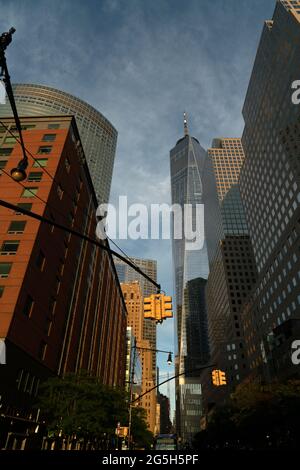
x=142 y=63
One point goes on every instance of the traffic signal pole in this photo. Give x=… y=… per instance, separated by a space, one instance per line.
x=172 y=378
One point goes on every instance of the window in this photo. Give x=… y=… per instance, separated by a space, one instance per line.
x=40 y=261
x=44 y=149
x=42 y=351
x=29 y=192
x=52 y=305
x=40 y=162
x=5 y=151
x=28 y=306
x=35 y=176
x=3 y=164
x=10 y=140
x=16 y=226
x=49 y=137
x=60 y=191
x=1 y=291
x=53 y=126
x=9 y=247
x=67 y=165
x=24 y=205
x=5 y=269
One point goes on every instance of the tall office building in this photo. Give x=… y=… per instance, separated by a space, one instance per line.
x=270 y=183
x=127 y=274
x=98 y=136
x=187 y=160
x=135 y=307
x=61 y=305
x=231 y=262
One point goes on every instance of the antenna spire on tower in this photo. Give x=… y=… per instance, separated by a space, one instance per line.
x=185 y=125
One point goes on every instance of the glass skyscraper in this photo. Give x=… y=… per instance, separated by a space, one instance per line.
x=187 y=161
x=98 y=136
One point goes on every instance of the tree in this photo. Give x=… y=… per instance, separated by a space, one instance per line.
x=142 y=437
x=256 y=416
x=78 y=405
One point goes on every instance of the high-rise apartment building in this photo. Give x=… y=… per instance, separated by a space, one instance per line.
x=127 y=274
x=187 y=162
x=135 y=307
x=61 y=305
x=270 y=183
x=98 y=136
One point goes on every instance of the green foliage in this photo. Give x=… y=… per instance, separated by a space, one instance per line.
x=81 y=405
x=141 y=435
x=256 y=416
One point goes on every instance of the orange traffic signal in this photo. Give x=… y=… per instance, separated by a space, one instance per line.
x=158 y=307
x=218 y=377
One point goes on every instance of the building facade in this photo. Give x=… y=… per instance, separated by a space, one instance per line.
x=61 y=305
x=126 y=275
x=98 y=136
x=187 y=163
x=135 y=307
x=270 y=184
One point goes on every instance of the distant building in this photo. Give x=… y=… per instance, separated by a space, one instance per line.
x=165 y=421
x=133 y=366
x=98 y=136
x=127 y=274
x=62 y=308
x=135 y=307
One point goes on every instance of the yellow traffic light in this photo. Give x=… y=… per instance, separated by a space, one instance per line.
x=158 y=307
x=222 y=378
x=218 y=377
x=215 y=377
x=166 y=307
x=149 y=310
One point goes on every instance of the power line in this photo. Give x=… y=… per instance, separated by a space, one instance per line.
x=13 y=207
x=171 y=378
x=36 y=160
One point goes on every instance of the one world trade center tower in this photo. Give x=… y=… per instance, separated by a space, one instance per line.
x=187 y=163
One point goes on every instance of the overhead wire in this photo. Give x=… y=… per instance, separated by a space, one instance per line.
x=36 y=160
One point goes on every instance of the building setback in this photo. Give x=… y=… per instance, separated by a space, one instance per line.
x=98 y=136
x=61 y=305
x=270 y=185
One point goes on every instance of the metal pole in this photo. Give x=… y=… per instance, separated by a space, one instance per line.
x=131 y=394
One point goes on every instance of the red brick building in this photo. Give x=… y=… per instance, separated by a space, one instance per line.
x=61 y=306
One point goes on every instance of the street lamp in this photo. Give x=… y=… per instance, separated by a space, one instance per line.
x=18 y=173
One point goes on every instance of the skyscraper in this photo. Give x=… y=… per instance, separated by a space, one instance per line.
x=187 y=160
x=231 y=261
x=98 y=136
x=270 y=182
